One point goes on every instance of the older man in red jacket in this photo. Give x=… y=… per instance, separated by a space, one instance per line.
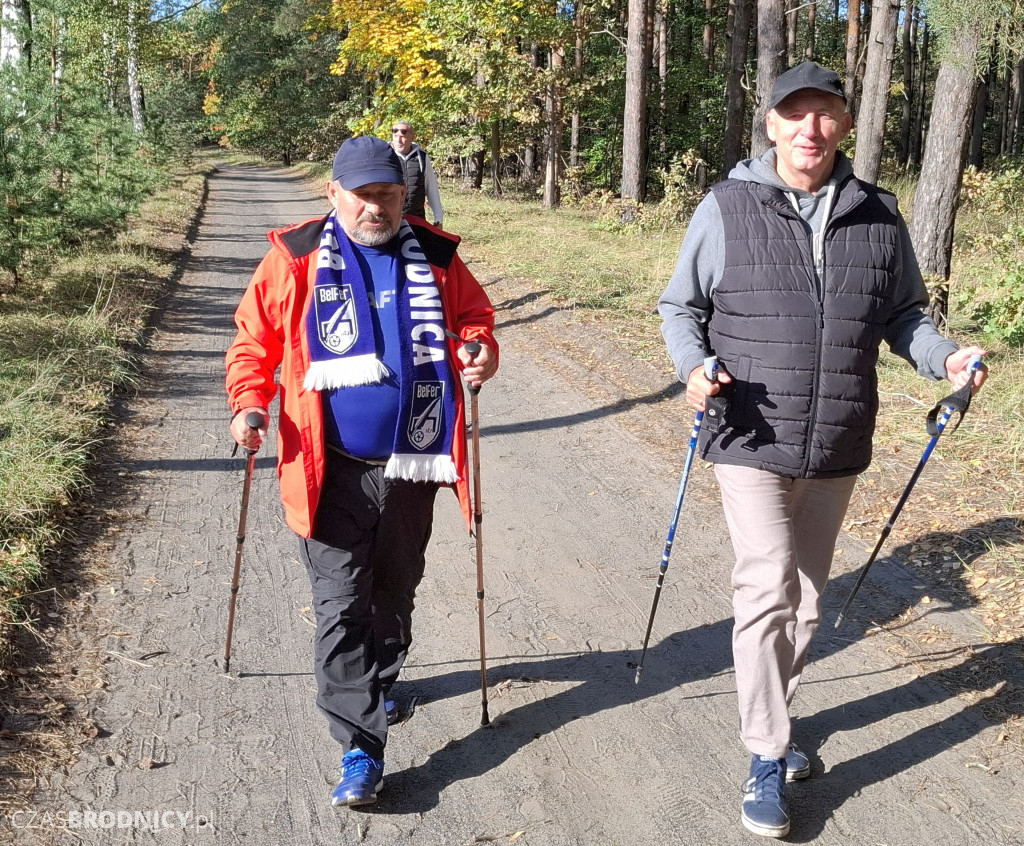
x=358 y=309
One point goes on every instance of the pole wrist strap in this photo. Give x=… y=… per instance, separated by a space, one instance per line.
x=958 y=402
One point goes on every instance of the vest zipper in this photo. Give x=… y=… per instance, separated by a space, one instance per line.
x=817 y=243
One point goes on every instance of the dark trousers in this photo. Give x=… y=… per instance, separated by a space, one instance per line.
x=364 y=561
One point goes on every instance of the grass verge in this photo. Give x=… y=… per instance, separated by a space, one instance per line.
x=68 y=340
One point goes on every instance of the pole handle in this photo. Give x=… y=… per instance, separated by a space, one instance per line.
x=711 y=368
x=473 y=348
x=254 y=420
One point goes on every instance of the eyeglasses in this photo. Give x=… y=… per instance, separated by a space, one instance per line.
x=401 y=132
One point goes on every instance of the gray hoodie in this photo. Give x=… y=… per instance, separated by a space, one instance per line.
x=686 y=307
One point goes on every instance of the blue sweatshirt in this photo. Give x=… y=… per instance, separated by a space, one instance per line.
x=361 y=420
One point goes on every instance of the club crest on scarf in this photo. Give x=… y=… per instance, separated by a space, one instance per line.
x=427 y=417
x=336 y=320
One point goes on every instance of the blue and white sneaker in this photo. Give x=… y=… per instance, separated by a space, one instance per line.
x=798 y=765
x=764 y=802
x=361 y=778
x=391 y=710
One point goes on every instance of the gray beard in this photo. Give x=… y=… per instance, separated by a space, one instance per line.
x=374 y=238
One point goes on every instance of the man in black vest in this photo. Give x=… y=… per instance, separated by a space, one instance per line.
x=420 y=180
x=792 y=273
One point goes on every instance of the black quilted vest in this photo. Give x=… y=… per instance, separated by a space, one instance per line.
x=415 y=184
x=801 y=350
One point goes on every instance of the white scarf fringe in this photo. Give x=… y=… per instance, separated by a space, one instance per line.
x=345 y=372
x=422 y=468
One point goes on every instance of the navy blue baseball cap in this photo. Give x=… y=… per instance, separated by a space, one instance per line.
x=360 y=161
x=806 y=75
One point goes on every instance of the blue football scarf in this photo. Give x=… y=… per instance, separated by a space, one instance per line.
x=343 y=350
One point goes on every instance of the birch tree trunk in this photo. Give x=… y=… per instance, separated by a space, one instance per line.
x=134 y=84
x=574 y=133
x=10 y=25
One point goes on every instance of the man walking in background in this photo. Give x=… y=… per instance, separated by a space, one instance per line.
x=793 y=272
x=420 y=180
x=355 y=308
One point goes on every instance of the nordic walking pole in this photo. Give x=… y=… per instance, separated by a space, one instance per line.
x=472 y=347
x=253 y=420
x=710 y=370
x=959 y=401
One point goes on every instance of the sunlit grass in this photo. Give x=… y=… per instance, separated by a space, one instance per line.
x=567 y=252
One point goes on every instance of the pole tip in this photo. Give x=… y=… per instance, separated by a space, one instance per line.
x=485 y=720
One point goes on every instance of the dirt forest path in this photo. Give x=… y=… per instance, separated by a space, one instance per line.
x=576 y=508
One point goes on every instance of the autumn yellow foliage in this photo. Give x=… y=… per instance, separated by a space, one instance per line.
x=388 y=37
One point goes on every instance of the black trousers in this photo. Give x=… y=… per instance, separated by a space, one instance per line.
x=364 y=561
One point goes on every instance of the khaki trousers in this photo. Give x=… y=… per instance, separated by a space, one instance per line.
x=784 y=533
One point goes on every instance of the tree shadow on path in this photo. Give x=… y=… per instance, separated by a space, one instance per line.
x=982 y=679
x=604 y=680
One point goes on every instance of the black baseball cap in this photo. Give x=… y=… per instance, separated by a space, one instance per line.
x=360 y=161
x=806 y=75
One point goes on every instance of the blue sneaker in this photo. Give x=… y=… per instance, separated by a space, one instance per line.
x=764 y=802
x=391 y=710
x=361 y=778
x=798 y=765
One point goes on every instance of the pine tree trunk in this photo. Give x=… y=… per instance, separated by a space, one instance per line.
x=771 y=63
x=634 y=119
x=792 y=19
x=662 y=27
x=812 y=21
x=907 y=100
x=709 y=35
x=496 y=157
x=738 y=39
x=1013 y=110
x=875 y=98
x=938 y=189
x=1018 y=133
x=553 y=148
x=919 y=130
x=976 y=154
x=852 y=53
x=1006 y=105
x=479 y=159
x=530 y=152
